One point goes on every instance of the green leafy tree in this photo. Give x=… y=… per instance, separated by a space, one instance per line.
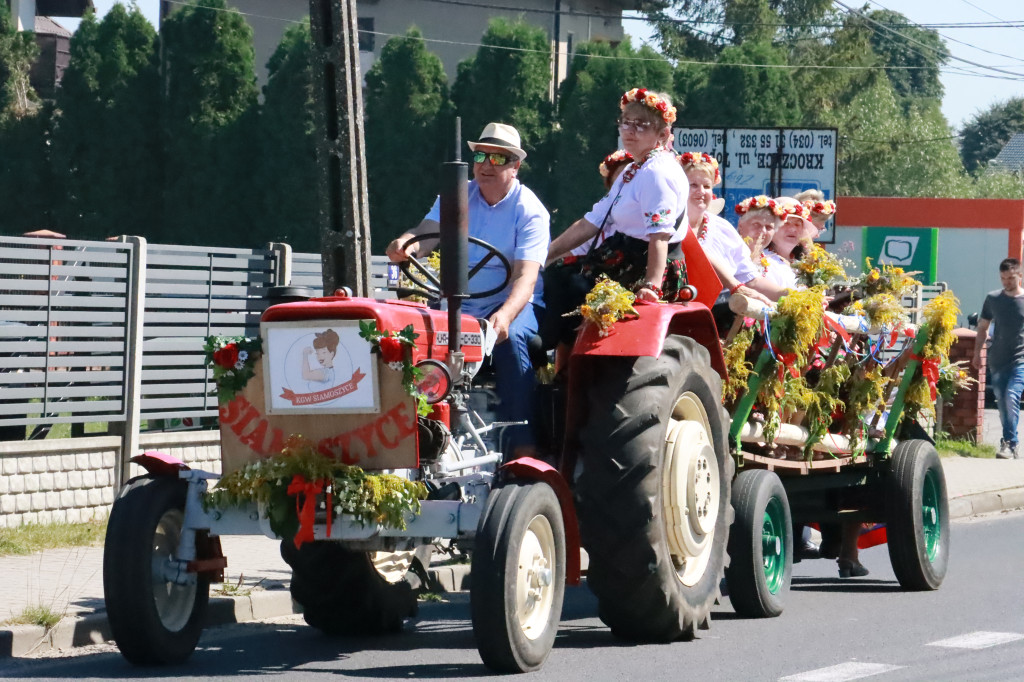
x=408 y=132
x=885 y=151
x=508 y=81
x=986 y=133
x=286 y=179
x=589 y=107
x=900 y=44
x=17 y=52
x=209 y=126
x=106 y=144
x=824 y=90
x=25 y=183
x=741 y=95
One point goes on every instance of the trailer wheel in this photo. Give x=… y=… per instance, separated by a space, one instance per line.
x=518 y=577
x=153 y=620
x=653 y=496
x=917 y=516
x=760 y=545
x=346 y=592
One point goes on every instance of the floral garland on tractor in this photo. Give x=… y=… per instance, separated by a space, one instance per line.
x=233 y=360
x=395 y=349
x=289 y=486
x=813 y=372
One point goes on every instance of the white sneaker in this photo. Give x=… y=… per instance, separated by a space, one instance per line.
x=1005 y=451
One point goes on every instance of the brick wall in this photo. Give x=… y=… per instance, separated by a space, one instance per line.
x=963 y=418
x=71 y=479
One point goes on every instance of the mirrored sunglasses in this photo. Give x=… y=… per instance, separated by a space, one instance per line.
x=495 y=158
x=634 y=124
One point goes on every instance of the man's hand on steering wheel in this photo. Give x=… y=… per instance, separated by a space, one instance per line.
x=428 y=282
x=398 y=251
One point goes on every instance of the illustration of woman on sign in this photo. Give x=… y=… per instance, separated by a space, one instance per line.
x=325 y=346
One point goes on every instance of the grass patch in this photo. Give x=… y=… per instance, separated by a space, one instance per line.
x=36 y=615
x=952 y=447
x=35 y=537
x=431 y=596
x=229 y=589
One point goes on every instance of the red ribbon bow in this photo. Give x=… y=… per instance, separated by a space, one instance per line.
x=930 y=370
x=305 y=508
x=788 y=361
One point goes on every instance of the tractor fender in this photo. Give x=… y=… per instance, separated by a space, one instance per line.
x=160 y=463
x=645 y=335
x=530 y=469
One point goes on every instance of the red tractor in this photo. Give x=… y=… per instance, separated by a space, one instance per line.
x=643 y=483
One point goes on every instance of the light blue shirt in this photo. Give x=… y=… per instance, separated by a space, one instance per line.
x=518 y=226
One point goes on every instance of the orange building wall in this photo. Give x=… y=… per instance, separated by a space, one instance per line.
x=989 y=214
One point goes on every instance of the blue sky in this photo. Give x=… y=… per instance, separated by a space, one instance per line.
x=966 y=94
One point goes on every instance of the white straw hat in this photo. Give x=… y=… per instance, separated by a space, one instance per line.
x=500 y=136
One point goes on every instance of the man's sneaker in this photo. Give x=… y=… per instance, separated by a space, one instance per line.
x=1005 y=451
x=1013 y=451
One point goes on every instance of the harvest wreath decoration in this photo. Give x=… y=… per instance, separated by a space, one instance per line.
x=289 y=484
x=607 y=303
x=233 y=359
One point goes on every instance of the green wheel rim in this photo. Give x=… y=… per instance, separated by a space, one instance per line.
x=930 y=525
x=773 y=545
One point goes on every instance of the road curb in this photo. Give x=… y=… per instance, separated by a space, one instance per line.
x=260 y=604
x=1008 y=499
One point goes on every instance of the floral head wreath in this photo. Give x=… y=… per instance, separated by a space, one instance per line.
x=797 y=209
x=690 y=159
x=649 y=99
x=613 y=161
x=762 y=201
x=822 y=208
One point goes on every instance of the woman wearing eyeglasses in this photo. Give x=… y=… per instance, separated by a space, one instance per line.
x=638 y=217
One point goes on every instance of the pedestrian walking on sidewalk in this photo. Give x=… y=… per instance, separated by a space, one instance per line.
x=1006 y=354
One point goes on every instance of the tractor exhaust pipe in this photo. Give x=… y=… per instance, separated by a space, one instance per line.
x=454 y=246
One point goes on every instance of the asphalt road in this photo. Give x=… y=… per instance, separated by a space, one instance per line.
x=970 y=629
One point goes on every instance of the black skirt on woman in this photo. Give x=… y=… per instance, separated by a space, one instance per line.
x=621 y=258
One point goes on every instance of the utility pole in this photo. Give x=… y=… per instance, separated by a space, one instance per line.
x=343 y=215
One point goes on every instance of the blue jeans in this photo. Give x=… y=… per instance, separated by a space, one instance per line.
x=516 y=379
x=1007 y=386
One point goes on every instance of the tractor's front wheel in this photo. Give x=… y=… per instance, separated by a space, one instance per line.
x=346 y=592
x=760 y=545
x=153 y=619
x=917 y=519
x=653 y=496
x=518 y=577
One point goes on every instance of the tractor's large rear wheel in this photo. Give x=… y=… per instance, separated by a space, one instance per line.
x=654 y=493
x=345 y=592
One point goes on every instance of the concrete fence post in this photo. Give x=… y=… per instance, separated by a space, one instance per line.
x=136 y=306
x=282 y=263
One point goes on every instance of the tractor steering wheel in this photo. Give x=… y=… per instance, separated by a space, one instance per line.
x=429 y=284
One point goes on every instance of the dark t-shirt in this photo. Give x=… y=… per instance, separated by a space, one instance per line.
x=1007 y=312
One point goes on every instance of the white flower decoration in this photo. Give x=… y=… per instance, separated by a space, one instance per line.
x=397 y=366
x=243 y=355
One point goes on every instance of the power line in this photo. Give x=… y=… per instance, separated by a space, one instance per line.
x=961 y=42
x=982 y=9
x=594 y=56
x=903 y=36
x=662 y=58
